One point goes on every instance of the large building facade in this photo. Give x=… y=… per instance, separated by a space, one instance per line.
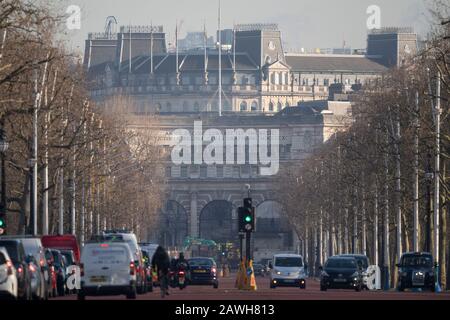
x=263 y=87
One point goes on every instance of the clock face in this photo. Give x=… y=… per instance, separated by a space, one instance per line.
x=272 y=45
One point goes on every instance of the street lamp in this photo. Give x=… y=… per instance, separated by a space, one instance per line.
x=4 y=145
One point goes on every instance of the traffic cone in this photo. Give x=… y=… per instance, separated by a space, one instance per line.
x=252 y=284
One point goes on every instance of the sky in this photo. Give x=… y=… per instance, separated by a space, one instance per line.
x=304 y=24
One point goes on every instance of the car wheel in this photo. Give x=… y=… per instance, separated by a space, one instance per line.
x=150 y=287
x=400 y=288
x=216 y=285
x=358 y=288
x=272 y=286
x=323 y=288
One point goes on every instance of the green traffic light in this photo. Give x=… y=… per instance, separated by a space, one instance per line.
x=248 y=219
x=2 y=223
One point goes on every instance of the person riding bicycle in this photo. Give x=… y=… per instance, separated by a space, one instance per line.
x=161 y=262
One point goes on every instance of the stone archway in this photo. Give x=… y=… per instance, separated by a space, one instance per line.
x=173 y=224
x=216 y=221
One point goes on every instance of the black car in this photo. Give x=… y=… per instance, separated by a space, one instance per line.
x=259 y=270
x=18 y=257
x=203 y=271
x=416 y=270
x=364 y=261
x=341 y=273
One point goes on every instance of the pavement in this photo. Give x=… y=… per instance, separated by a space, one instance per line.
x=226 y=291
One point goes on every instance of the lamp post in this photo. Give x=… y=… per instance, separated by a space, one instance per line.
x=3 y=148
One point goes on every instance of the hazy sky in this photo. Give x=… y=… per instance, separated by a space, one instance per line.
x=309 y=24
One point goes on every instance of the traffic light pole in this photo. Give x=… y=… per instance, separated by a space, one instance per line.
x=248 y=246
x=241 y=245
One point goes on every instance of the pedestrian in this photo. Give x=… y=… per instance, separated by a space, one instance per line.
x=161 y=262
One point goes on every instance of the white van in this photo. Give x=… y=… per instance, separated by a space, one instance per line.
x=107 y=268
x=287 y=270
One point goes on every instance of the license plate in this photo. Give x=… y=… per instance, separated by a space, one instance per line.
x=200 y=271
x=181 y=281
x=340 y=280
x=98 y=279
x=289 y=281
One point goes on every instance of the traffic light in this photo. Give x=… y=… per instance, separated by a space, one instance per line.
x=246 y=216
x=2 y=224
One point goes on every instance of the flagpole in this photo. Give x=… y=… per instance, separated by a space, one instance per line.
x=220 y=63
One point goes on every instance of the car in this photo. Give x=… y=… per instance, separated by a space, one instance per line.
x=259 y=270
x=341 y=273
x=364 y=260
x=59 y=267
x=35 y=276
x=131 y=239
x=107 y=268
x=50 y=262
x=70 y=257
x=8 y=277
x=33 y=246
x=287 y=270
x=63 y=242
x=17 y=255
x=148 y=270
x=203 y=271
x=416 y=270
x=151 y=248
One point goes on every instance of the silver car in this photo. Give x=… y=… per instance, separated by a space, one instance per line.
x=287 y=270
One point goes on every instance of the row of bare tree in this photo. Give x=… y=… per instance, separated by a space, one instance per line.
x=88 y=174
x=371 y=188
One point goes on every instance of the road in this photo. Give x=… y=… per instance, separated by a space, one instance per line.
x=226 y=291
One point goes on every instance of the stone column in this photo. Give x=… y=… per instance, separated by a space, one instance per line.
x=194 y=215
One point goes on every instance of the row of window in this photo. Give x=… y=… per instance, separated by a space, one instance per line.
x=218 y=171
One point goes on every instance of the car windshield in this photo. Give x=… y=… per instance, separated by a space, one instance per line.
x=56 y=257
x=341 y=264
x=360 y=259
x=11 y=248
x=107 y=255
x=69 y=257
x=288 y=262
x=421 y=261
x=200 y=262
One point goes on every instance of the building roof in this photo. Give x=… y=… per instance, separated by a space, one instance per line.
x=164 y=64
x=334 y=63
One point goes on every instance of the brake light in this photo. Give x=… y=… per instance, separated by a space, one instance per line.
x=181 y=272
x=19 y=269
x=82 y=269
x=42 y=262
x=32 y=268
x=9 y=265
x=132 y=268
x=104 y=245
